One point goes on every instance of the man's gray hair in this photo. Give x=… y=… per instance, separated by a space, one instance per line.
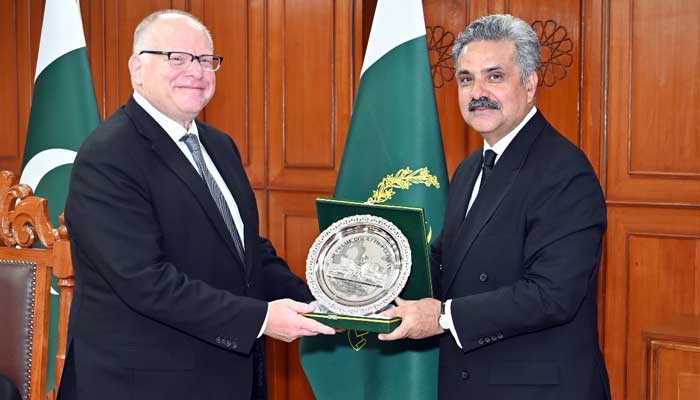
x=504 y=27
x=144 y=26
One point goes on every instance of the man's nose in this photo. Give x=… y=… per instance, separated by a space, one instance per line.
x=194 y=69
x=479 y=90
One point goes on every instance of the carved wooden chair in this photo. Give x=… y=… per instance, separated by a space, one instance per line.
x=25 y=283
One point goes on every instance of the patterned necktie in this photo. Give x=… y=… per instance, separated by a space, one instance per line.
x=193 y=145
x=489 y=162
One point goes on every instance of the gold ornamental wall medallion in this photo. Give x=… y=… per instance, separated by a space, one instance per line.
x=358 y=265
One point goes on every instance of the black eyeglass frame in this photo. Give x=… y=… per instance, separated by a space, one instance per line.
x=220 y=59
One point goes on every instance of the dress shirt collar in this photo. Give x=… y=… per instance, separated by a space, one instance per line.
x=172 y=128
x=502 y=144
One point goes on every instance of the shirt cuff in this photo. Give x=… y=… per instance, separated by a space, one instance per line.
x=451 y=325
x=264 y=325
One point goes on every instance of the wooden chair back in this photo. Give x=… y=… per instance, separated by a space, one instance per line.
x=25 y=287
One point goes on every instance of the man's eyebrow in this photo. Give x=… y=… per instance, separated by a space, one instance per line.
x=492 y=69
x=486 y=70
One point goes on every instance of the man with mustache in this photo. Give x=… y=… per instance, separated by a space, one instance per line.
x=516 y=264
x=175 y=287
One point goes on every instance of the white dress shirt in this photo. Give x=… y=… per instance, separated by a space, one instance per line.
x=176 y=131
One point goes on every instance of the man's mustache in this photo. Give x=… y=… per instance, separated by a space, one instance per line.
x=484 y=102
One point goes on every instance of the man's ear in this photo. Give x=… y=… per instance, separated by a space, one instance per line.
x=531 y=86
x=135 y=68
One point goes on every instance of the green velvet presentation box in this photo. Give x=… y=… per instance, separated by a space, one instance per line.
x=411 y=222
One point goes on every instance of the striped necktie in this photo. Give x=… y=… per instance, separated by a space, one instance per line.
x=193 y=145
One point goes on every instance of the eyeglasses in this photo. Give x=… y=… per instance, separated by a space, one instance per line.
x=209 y=62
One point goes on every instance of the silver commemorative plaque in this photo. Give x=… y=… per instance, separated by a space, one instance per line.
x=358 y=265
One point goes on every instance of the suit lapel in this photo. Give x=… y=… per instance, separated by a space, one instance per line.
x=459 y=200
x=172 y=156
x=491 y=195
x=486 y=203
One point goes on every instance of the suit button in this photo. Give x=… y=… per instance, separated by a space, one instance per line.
x=483 y=277
x=465 y=374
x=480 y=341
x=500 y=336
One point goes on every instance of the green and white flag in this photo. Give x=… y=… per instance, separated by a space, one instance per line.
x=393 y=155
x=63 y=113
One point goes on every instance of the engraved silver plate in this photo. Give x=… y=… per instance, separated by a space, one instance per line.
x=358 y=265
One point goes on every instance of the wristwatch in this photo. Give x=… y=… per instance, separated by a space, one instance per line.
x=443 y=320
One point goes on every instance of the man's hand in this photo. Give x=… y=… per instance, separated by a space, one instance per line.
x=419 y=319
x=285 y=323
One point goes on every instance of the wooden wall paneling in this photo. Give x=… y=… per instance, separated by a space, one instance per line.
x=444 y=20
x=594 y=34
x=116 y=30
x=121 y=18
x=238 y=107
x=292 y=228
x=673 y=359
x=663 y=99
x=93 y=16
x=677 y=372
x=654 y=104
x=9 y=80
x=30 y=24
x=256 y=165
x=557 y=24
x=310 y=78
x=594 y=78
x=653 y=274
x=477 y=8
x=21 y=25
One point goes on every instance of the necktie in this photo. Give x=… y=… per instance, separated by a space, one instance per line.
x=193 y=145
x=487 y=167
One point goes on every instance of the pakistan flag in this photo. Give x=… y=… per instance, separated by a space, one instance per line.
x=393 y=155
x=64 y=112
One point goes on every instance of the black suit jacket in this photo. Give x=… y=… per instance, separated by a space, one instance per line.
x=164 y=308
x=8 y=390
x=521 y=270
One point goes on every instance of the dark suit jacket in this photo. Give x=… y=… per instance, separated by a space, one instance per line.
x=8 y=390
x=164 y=308
x=521 y=270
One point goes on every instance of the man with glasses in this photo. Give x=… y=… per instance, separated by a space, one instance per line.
x=175 y=287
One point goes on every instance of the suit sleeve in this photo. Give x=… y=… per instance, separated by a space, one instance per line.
x=114 y=229
x=280 y=281
x=436 y=266
x=562 y=246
